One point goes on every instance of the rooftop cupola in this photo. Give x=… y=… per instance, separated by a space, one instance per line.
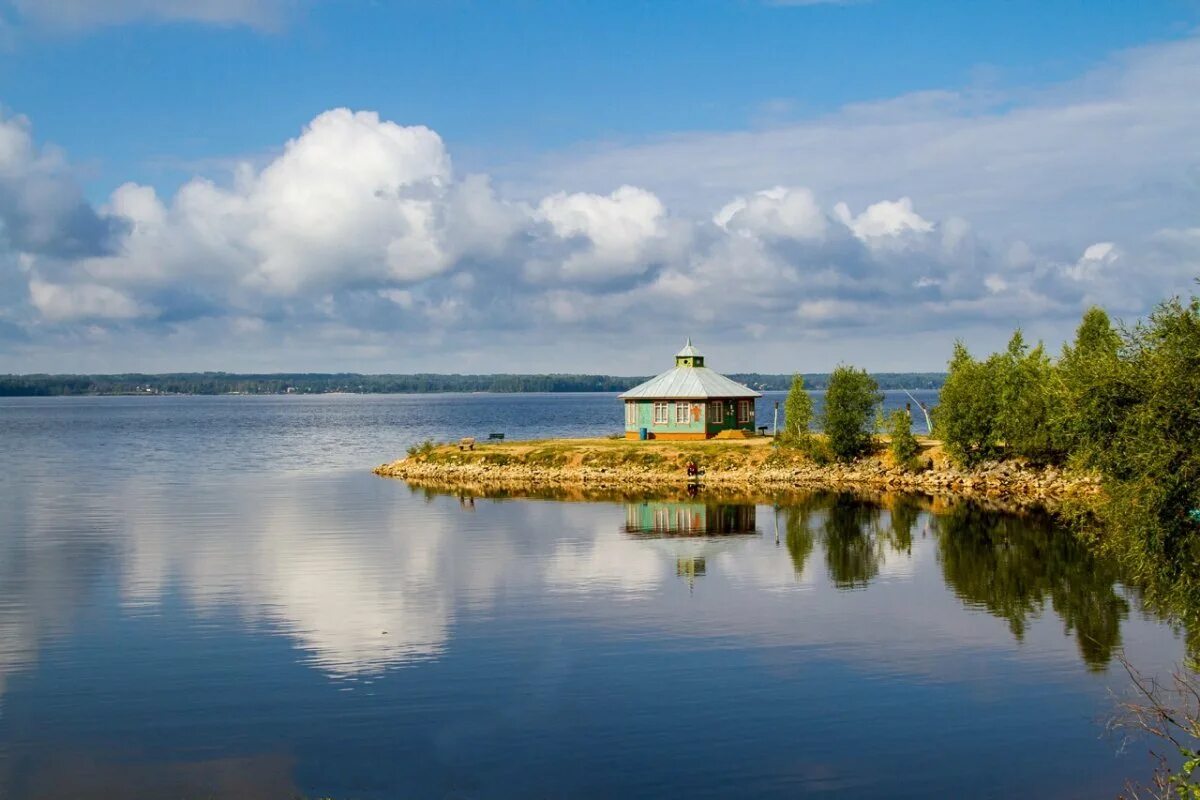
x=689 y=356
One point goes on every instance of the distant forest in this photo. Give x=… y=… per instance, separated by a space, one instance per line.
x=322 y=383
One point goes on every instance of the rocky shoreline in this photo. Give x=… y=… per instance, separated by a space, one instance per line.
x=509 y=469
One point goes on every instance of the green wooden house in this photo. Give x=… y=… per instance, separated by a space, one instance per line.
x=689 y=401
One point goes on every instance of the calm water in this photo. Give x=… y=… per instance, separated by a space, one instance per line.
x=213 y=597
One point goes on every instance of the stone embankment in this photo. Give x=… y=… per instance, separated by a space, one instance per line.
x=600 y=465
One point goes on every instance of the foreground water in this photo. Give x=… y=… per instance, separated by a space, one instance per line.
x=213 y=597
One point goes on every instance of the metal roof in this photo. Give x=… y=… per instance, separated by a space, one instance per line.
x=688 y=383
x=688 y=350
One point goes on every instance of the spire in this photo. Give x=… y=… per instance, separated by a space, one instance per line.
x=689 y=356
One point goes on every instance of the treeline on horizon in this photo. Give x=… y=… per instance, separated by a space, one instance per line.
x=212 y=383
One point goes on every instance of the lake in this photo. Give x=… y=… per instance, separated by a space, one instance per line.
x=213 y=597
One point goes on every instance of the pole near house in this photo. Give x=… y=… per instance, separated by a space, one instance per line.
x=775 y=424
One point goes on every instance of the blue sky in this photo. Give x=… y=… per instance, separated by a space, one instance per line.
x=595 y=172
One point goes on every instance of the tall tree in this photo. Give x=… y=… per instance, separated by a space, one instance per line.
x=797 y=411
x=849 y=413
x=966 y=415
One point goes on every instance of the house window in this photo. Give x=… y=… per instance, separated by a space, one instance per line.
x=660 y=414
x=682 y=412
x=744 y=410
x=716 y=411
x=631 y=413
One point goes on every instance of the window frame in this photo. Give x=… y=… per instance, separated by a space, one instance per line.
x=665 y=419
x=630 y=413
x=716 y=411
x=683 y=412
x=745 y=411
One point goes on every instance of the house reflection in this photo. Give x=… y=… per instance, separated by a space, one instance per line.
x=690 y=519
x=691 y=533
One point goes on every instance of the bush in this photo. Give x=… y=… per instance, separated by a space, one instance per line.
x=1095 y=392
x=849 y=410
x=1014 y=399
x=1028 y=401
x=1151 y=463
x=966 y=413
x=904 y=445
x=797 y=413
x=422 y=448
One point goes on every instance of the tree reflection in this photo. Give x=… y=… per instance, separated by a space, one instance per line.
x=1010 y=565
x=848 y=526
x=852 y=548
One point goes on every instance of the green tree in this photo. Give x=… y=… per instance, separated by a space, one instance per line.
x=797 y=412
x=849 y=411
x=903 y=445
x=1152 y=464
x=1028 y=401
x=1094 y=389
x=966 y=414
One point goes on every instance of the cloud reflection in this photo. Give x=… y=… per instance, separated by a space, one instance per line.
x=363 y=576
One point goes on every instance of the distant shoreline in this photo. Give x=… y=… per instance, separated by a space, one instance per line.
x=224 y=383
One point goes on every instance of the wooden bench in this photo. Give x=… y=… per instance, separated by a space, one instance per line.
x=495 y=435
x=466 y=443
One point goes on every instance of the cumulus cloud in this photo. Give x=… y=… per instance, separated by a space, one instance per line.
x=41 y=207
x=781 y=212
x=360 y=235
x=616 y=235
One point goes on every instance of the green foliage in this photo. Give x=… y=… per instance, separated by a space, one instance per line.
x=1151 y=461
x=422 y=448
x=1029 y=402
x=797 y=412
x=966 y=415
x=1094 y=389
x=903 y=445
x=1012 y=399
x=850 y=404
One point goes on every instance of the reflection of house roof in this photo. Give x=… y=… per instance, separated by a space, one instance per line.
x=688 y=383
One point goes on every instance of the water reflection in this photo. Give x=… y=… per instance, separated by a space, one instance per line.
x=691 y=533
x=664 y=518
x=1012 y=566
x=857 y=541
x=387 y=589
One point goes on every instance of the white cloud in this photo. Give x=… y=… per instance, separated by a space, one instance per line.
x=780 y=212
x=81 y=301
x=359 y=231
x=619 y=234
x=886 y=218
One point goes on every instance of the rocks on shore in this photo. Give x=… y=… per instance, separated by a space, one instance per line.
x=1006 y=480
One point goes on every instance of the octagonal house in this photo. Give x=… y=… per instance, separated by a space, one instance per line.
x=689 y=402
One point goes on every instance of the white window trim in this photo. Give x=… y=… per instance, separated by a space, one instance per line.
x=631 y=413
x=683 y=413
x=716 y=411
x=745 y=414
x=665 y=417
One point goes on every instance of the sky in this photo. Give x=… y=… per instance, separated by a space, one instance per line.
x=524 y=186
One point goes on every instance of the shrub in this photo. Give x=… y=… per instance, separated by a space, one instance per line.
x=422 y=448
x=797 y=413
x=849 y=410
x=904 y=445
x=966 y=415
x=1095 y=392
x=1028 y=401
